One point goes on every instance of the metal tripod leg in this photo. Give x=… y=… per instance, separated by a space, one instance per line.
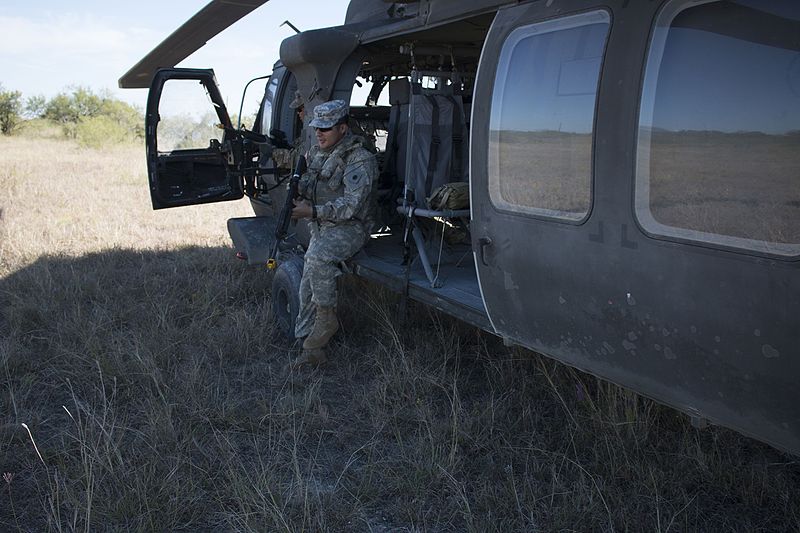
x=423 y=256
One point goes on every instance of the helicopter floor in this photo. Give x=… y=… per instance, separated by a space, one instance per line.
x=455 y=291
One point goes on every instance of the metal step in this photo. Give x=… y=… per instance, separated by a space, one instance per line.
x=253 y=236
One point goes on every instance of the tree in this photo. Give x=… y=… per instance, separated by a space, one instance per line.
x=10 y=108
x=61 y=109
x=88 y=104
x=35 y=106
x=70 y=108
x=81 y=111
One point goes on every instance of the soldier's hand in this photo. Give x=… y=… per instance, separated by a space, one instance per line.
x=302 y=209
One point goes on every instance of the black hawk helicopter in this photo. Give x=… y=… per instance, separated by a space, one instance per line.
x=633 y=171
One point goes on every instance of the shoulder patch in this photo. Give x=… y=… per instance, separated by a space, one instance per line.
x=355 y=178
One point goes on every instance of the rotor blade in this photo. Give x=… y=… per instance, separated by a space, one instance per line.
x=205 y=24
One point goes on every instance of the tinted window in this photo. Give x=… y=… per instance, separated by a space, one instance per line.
x=719 y=132
x=542 y=116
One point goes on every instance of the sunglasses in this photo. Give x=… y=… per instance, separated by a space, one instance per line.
x=324 y=130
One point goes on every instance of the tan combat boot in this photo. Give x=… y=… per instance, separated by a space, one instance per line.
x=314 y=357
x=325 y=326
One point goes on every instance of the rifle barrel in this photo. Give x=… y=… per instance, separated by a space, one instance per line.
x=285 y=217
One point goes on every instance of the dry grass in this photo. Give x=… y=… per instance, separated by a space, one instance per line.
x=558 y=183
x=64 y=200
x=141 y=358
x=738 y=184
x=732 y=184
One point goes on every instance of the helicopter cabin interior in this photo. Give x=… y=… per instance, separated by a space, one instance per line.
x=411 y=99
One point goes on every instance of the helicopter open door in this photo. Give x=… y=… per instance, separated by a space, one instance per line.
x=190 y=159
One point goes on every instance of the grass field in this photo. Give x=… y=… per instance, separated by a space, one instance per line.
x=143 y=389
x=741 y=185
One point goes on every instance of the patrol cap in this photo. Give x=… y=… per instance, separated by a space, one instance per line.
x=298 y=100
x=328 y=114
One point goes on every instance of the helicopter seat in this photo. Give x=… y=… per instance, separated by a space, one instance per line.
x=437 y=146
x=397 y=136
x=393 y=169
x=436 y=155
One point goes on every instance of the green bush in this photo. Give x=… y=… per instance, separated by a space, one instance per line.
x=80 y=111
x=128 y=117
x=10 y=109
x=100 y=131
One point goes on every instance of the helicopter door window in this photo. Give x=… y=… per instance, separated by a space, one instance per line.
x=718 y=157
x=269 y=101
x=542 y=116
x=180 y=127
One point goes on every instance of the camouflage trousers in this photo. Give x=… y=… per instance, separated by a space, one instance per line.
x=329 y=246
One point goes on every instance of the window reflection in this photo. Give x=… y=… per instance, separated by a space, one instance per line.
x=719 y=134
x=542 y=116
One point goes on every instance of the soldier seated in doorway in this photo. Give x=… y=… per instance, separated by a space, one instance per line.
x=339 y=200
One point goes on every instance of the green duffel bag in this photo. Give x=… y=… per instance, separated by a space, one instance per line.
x=450 y=197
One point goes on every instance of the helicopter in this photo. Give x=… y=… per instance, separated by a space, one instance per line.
x=632 y=169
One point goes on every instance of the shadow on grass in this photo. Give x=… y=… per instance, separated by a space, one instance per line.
x=156 y=394
x=129 y=342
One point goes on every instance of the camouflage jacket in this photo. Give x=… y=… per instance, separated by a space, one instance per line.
x=285 y=158
x=341 y=183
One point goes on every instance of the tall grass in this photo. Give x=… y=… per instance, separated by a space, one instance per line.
x=140 y=356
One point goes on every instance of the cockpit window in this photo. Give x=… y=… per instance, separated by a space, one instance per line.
x=718 y=156
x=269 y=101
x=542 y=116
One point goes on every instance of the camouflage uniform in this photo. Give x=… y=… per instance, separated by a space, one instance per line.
x=341 y=185
x=285 y=158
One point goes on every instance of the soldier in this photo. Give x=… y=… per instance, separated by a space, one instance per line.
x=339 y=191
x=298 y=104
x=285 y=157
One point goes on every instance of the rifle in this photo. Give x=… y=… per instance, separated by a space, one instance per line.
x=285 y=216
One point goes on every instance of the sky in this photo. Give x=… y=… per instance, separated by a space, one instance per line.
x=46 y=46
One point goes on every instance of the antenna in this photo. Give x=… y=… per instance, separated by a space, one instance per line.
x=287 y=23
